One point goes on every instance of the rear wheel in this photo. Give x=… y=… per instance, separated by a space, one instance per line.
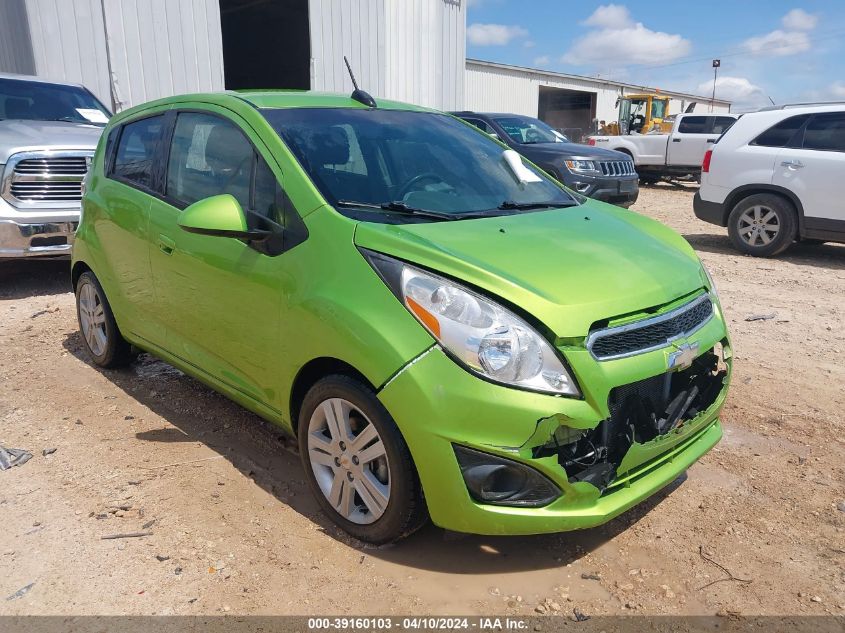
x=357 y=462
x=96 y=322
x=763 y=225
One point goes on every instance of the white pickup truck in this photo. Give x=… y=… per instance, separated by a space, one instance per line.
x=678 y=153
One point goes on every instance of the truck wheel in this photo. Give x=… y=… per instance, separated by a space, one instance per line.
x=649 y=180
x=763 y=225
x=96 y=322
x=357 y=462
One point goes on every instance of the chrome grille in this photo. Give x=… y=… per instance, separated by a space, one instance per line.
x=617 y=167
x=650 y=334
x=41 y=179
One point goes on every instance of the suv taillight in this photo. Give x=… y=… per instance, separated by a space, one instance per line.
x=705 y=164
x=591 y=141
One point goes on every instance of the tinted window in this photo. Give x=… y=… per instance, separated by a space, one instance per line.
x=266 y=199
x=40 y=101
x=781 y=134
x=208 y=156
x=693 y=125
x=721 y=124
x=528 y=131
x=136 y=149
x=481 y=125
x=826 y=132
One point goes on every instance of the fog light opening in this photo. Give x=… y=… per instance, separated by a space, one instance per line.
x=498 y=481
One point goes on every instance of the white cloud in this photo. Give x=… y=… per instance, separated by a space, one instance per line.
x=633 y=43
x=739 y=90
x=837 y=89
x=778 y=43
x=792 y=39
x=543 y=60
x=529 y=44
x=610 y=16
x=493 y=34
x=800 y=20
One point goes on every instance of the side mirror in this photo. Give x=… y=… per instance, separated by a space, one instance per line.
x=219 y=216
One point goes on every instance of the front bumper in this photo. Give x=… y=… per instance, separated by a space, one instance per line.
x=20 y=239
x=438 y=405
x=622 y=191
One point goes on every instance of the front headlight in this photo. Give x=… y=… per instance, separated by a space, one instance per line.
x=582 y=166
x=484 y=337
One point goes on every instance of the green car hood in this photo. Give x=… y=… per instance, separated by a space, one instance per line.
x=569 y=268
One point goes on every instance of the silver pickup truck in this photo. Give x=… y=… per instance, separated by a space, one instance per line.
x=48 y=133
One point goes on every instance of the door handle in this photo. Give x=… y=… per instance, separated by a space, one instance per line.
x=792 y=164
x=676 y=140
x=711 y=140
x=166 y=244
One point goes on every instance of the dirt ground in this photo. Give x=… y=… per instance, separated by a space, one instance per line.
x=235 y=530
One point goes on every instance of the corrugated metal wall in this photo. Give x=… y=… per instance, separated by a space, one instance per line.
x=409 y=50
x=494 y=88
x=152 y=48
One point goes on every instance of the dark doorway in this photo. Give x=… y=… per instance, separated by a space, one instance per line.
x=570 y=111
x=266 y=44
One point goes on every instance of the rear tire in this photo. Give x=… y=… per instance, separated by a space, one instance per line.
x=353 y=477
x=762 y=225
x=99 y=330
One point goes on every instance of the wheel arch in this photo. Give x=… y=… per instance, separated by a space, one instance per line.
x=740 y=193
x=313 y=371
x=76 y=272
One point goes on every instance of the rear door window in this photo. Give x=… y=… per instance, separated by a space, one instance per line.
x=693 y=125
x=720 y=124
x=134 y=161
x=784 y=134
x=826 y=132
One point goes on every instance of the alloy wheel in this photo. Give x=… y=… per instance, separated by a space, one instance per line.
x=349 y=461
x=92 y=318
x=758 y=225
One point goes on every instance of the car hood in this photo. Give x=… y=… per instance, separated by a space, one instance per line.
x=550 y=151
x=19 y=136
x=569 y=268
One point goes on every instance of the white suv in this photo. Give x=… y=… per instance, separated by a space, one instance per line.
x=777 y=176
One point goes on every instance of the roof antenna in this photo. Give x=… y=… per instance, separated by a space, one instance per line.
x=358 y=94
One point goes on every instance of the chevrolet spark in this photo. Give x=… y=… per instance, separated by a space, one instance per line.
x=449 y=332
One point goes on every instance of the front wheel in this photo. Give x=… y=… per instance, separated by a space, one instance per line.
x=357 y=462
x=763 y=225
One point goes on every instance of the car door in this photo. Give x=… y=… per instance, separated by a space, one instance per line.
x=690 y=140
x=219 y=297
x=121 y=205
x=813 y=169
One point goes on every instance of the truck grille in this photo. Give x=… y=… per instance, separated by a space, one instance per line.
x=617 y=167
x=45 y=179
x=652 y=333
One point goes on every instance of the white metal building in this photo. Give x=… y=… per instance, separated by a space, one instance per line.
x=563 y=101
x=131 y=51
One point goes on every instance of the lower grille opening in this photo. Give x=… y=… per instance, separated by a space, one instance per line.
x=58 y=240
x=639 y=412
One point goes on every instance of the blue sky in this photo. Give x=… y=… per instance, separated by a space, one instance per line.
x=788 y=51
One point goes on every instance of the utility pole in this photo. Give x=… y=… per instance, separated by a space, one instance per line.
x=716 y=64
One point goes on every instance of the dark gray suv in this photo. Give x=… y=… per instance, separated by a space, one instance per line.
x=598 y=173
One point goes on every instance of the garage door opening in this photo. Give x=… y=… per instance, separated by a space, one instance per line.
x=266 y=44
x=570 y=111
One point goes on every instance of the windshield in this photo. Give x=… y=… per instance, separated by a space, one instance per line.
x=38 y=101
x=658 y=109
x=528 y=131
x=400 y=161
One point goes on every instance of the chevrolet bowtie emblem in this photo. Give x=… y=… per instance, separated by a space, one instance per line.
x=683 y=356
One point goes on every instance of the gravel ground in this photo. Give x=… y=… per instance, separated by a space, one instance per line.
x=233 y=528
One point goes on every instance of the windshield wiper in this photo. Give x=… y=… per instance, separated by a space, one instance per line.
x=399 y=207
x=508 y=205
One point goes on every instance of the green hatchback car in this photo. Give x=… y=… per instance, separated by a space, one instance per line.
x=449 y=332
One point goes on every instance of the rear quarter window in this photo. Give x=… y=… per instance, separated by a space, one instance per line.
x=783 y=134
x=134 y=159
x=826 y=132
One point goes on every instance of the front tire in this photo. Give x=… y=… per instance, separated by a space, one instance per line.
x=357 y=463
x=762 y=225
x=103 y=340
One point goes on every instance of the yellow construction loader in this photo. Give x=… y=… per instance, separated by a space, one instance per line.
x=639 y=114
